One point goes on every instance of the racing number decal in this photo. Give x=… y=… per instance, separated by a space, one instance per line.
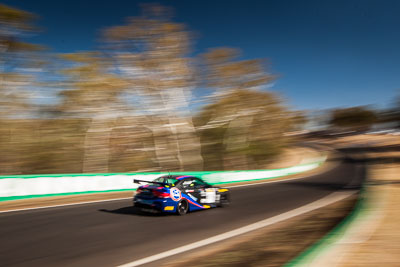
x=176 y=194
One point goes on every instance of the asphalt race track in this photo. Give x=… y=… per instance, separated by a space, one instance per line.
x=111 y=233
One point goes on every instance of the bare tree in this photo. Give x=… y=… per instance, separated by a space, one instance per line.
x=246 y=126
x=18 y=60
x=94 y=94
x=240 y=104
x=18 y=66
x=151 y=51
x=354 y=118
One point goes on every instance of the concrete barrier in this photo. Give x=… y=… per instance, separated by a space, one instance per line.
x=31 y=186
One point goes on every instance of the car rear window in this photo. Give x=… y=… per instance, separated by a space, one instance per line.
x=171 y=181
x=167 y=180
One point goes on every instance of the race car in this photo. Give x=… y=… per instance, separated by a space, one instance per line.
x=178 y=194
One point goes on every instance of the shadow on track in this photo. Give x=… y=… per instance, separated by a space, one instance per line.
x=129 y=210
x=365 y=149
x=358 y=154
x=327 y=186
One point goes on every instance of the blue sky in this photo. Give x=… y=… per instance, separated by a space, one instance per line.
x=326 y=53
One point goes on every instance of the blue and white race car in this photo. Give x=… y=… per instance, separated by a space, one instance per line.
x=179 y=194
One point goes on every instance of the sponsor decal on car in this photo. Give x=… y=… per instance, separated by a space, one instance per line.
x=176 y=194
x=193 y=197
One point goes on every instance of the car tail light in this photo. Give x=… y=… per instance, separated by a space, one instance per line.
x=161 y=194
x=139 y=190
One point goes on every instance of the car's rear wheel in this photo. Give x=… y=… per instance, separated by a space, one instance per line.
x=183 y=207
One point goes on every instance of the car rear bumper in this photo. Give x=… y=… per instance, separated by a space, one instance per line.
x=156 y=205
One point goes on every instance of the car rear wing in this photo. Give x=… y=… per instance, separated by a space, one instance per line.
x=136 y=181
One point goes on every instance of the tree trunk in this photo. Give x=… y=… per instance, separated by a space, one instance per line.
x=96 y=147
x=184 y=134
x=236 y=140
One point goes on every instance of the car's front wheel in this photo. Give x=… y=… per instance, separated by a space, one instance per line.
x=225 y=200
x=183 y=207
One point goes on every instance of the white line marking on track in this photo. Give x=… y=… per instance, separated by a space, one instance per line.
x=327 y=200
x=271 y=181
x=63 y=205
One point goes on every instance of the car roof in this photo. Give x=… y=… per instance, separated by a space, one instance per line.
x=179 y=177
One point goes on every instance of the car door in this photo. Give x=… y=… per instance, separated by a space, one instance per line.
x=198 y=190
x=204 y=191
x=187 y=187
